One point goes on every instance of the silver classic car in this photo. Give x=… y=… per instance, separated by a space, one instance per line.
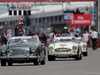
x=23 y=49
x=64 y=47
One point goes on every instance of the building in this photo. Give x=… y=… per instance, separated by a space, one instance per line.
x=48 y=17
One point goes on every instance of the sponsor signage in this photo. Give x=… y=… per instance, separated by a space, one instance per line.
x=41 y=0
x=68 y=16
x=20 y=6
x=81 y=20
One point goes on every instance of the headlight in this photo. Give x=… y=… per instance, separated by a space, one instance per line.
x=84 y=46
x=3 y=51
x=74 y=48
x=50 y=48
x=32 y=52
x=57 y=50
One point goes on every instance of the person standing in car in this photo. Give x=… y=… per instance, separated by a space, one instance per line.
x=19 y=31
x=65 y=32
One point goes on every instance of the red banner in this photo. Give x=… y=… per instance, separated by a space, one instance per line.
x=81 y=20
x=24 y=0
x=41 y=0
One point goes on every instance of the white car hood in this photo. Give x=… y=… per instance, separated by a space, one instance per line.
x=63 y=45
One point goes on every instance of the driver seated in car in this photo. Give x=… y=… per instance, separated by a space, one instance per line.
x=23 y=39
x=73 y=39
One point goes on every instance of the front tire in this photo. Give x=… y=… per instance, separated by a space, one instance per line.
x=10 y=63
x=3 y=62
x=36 y=61
x=85 y=54
x=78 y=57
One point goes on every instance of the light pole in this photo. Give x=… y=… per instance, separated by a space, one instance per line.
x=45 y=24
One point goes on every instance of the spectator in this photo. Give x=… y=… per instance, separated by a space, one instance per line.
x=77 y=34
x=94 y=36
x=58 y=34
x=9 y=34
x=43 y=38
x=4 y=40
x=31 y=33
x=51 y=35
x=77 y=11
x=85 y=37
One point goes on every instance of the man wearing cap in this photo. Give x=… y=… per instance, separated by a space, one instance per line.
x=19 y=31
x=65 y=32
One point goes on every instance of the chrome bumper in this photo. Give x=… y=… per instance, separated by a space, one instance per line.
x=59 y=54
x=84 y=51
x=18 y=57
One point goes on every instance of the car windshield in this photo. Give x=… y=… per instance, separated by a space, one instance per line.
x=24 y=39
x=62 y=40
x=19 y=48
x=78 y=40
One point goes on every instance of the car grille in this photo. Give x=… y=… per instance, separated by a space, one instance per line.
x=63 y=49
x=18 y=52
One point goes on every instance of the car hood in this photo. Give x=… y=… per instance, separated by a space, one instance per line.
x=23 y=45
x=63 y=45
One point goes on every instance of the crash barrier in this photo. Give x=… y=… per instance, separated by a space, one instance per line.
x=90 y=43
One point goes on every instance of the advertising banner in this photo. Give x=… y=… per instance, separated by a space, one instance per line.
x=81 y=20
x=20 y=6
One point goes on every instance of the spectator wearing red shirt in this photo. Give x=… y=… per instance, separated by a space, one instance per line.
x=58 y=34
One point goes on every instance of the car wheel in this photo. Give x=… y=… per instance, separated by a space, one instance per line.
x=78 y=57
x=36 y=61
x=3 y=62
x=51 y=58
x=43 y=62
x=10 y=63
x=85 y=54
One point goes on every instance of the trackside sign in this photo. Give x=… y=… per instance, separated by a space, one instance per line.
x=81 y=20
x=20 y=6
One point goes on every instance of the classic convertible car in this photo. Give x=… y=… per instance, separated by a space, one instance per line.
x=83 y=46
x=22 y=49
x=64 y=47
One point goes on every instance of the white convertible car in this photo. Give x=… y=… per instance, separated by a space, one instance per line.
x=64 y=47
x=83 y=46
